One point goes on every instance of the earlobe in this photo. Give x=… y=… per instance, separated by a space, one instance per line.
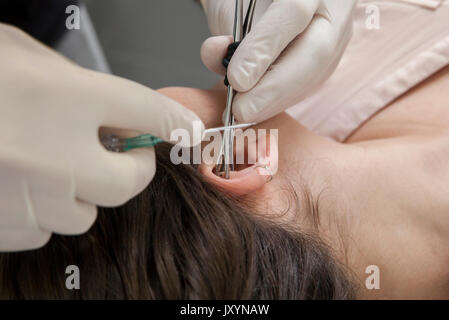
x=251 y=178
x=241 y=182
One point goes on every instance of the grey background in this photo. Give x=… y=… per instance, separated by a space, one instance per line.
x=154 y=42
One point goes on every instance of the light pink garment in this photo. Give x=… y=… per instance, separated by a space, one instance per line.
x=411 y=44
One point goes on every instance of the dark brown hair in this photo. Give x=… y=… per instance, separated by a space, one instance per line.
x=179 y=239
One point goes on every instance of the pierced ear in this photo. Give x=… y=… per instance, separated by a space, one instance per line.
x=253 y=177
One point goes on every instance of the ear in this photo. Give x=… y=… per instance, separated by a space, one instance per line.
x=252 y=177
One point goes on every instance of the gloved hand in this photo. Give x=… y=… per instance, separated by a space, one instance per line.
x=293 y=47
x=53 y=169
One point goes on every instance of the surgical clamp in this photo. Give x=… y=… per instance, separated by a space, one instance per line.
x=225 y=160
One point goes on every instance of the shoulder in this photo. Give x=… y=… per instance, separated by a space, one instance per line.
x=424 y=110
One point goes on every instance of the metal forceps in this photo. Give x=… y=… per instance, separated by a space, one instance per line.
x=225 y=161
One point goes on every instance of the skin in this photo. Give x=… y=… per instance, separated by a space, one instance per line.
x=382 y=194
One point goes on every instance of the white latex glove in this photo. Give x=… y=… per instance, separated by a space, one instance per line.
x=53 y=169
x=294 y=47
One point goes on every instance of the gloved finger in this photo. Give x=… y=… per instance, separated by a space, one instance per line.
x=45 y=202
x=130 y=105
x=283 y=21
x=23 y=238
x=213 y=51
x=68 y=217
x=220 y=15
x=287 y=81
x=122 y=133
x=117 y=177
x=19 y=228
